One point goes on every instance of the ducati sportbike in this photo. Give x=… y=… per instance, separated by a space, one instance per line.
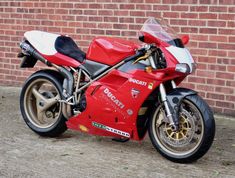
x=119 y=88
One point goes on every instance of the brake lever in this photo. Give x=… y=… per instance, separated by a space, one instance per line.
x=147 y=54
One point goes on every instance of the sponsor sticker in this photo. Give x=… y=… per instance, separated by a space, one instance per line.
x=150 y=86
x=113 y=98
x=138 y=82
x=134 y=93
x=110 y=129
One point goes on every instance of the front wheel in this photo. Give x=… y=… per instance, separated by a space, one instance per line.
x=194 y=137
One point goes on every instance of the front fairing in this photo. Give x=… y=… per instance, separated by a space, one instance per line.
x=160 y=33
x=182 y=55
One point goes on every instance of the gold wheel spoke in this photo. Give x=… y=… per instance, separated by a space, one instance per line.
x=38 y=95
x=42 y=102
x=177 y=135
x=168 y=128
x=172 y=133
x=187 y=129
x=50 y=102
x=39 y=98
x=40 y=115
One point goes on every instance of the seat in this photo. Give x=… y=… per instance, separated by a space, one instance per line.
x=65 y=45
x=43 y=42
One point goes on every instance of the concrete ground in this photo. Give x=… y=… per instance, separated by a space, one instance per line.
x=74 y=154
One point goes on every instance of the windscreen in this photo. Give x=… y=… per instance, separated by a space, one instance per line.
x=161 y=30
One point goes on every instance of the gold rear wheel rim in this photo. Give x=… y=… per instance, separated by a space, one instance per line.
x=41 y=103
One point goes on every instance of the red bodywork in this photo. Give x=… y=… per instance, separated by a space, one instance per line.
x=114 y=101
x=104 y=50
x=61 y=60
x=112 y=108
x=110 y=51
x=101 y=108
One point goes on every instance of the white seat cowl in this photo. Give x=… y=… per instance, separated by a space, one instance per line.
x=43 y=42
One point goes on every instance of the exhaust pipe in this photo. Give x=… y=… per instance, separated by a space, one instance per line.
x=28 y=49
x=68 y=77
x=68 y=81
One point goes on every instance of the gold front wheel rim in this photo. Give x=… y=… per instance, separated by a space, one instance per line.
x=187 y=139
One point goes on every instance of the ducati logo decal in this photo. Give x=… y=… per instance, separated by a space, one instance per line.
x=110 y=129
x=134 y=93
x=138 y=82
x=113 y=98
x=150 y=86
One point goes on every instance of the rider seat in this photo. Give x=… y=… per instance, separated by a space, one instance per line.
x=58 y=49
x=65 y=45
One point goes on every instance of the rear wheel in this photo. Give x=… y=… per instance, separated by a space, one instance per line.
x=195 y=135
x=40 y=106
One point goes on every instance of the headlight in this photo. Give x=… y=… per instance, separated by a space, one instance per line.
x=183 y=68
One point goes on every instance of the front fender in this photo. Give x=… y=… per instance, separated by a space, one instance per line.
x=177 y=94
x=174 y=99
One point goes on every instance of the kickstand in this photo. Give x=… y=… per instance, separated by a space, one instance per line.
x=120 y=139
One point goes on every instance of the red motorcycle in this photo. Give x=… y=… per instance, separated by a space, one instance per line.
x=119 y=89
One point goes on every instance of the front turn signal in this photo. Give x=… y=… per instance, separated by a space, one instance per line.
x=149 y=69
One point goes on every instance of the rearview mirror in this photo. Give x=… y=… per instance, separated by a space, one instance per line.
x=185 y=39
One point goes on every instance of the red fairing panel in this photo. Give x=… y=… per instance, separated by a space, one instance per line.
x=61 y=60
x=110 y=51
x=108 y=109
x=113 y=103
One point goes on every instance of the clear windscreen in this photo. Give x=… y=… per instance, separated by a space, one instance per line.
x=161 y=30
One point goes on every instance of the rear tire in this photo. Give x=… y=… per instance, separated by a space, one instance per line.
x=39 y=104
x=196 y=134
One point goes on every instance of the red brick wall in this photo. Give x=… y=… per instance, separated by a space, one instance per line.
x=210 y=24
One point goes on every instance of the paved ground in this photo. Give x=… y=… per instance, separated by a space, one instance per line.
x=25 y=154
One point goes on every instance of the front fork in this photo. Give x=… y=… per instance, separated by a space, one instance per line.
x=174 y=122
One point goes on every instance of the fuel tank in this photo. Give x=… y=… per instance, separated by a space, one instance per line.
x=109 y=50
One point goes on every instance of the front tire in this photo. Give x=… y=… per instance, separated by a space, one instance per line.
x=195 y=135
x=39 y=104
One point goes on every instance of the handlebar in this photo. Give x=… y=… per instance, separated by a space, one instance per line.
x=140 y=52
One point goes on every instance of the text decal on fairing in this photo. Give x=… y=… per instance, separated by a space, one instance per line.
x=110 y=129
x=138 y=82
x=113 y=98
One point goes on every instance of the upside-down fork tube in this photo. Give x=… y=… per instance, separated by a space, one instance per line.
x=167 y=107
x=172 y=102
